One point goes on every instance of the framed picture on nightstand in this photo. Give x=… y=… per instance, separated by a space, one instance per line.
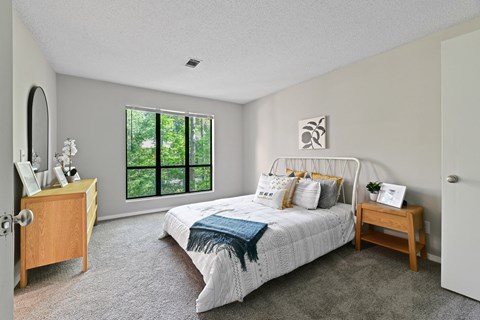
x=391 y=195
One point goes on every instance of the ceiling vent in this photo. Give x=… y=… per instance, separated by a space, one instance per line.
x=192 y=63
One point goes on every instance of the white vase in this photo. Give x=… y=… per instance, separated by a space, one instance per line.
x=373 y=196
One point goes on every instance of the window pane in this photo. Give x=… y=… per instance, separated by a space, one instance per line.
x=140 y=138
x=173 y=180
x=200 y=131
x=200 y=179
x=172 y=135
x=141 y=183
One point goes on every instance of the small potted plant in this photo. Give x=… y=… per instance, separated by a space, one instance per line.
x=373 y=187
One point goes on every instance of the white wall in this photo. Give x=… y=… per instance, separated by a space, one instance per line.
x=384 y=110
x=30 y=68
x=93 y=113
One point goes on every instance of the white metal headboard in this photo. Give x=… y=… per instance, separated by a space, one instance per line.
x=348 y=168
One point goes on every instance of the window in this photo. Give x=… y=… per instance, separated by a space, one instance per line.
x=167 y=153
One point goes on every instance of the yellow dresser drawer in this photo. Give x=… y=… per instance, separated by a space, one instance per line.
x=91 y=195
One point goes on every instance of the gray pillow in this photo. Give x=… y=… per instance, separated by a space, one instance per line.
x=328 y=195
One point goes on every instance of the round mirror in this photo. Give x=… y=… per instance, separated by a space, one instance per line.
x=38 y=129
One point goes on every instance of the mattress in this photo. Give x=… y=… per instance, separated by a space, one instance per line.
x=295 y=236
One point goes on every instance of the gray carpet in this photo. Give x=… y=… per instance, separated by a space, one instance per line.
x=133 y=275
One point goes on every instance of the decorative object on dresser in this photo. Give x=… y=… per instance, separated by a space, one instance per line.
x=408 y=220
x=391 y=195
x=66 y=159
x=60 y=176
x=373 y=188
x=70 y=150
x=64 y=220
x=312 y=133
x=27 y=175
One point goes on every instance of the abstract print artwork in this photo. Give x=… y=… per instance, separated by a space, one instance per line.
x=312 y=133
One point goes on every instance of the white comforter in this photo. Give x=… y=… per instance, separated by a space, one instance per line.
x=294 y=237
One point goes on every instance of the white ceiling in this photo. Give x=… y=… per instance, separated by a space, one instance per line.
x=249 y=48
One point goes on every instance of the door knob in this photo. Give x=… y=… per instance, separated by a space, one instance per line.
x=452 y=178
x=24 y=218
x=7 y=220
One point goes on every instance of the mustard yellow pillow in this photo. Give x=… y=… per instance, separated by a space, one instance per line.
x=298 y=174
x=320 y=176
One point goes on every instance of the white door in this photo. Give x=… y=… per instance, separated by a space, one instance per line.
x=6 y=159
x=461 y=158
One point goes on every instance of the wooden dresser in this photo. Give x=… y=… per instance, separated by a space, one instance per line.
x=62 y=225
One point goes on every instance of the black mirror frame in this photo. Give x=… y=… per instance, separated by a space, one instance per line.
x=31 y=96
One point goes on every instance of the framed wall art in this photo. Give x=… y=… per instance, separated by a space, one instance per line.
x=312 y=133
x=391 y=195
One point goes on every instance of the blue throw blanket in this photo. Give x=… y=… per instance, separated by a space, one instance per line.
x=234 y=235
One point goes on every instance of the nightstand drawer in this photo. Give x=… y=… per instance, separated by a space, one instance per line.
x=380 y=219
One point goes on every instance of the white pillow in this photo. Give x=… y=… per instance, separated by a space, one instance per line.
x=283 y=182
x=264 y=182
x=307 y=194
x=272 y=198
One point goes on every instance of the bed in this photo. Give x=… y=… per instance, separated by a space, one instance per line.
x=295 y=236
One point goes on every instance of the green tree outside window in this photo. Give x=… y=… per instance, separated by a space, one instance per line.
x=179 y=163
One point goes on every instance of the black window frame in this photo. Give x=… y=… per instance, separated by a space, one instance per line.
x=158 y=165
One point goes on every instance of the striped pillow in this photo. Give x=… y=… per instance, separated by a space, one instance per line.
x=307 y=194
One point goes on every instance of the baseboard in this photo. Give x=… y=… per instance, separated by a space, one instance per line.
x=430 y=256
x=132 y=214
x=434 y=258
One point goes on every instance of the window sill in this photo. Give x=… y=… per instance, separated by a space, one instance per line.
x=170 y=196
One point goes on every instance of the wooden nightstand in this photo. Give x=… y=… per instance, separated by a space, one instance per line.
x=408 y=219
